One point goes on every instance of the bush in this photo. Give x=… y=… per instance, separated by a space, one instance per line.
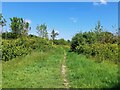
x=23 y=46
x=9 y=35
x=101 y=48
x=61 y=42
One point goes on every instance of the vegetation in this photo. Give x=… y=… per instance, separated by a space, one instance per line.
x=53 y=35
x=19 y=26
x=61 y=42
x=22 y=47
x=29 y=61
x=2 y=20
x=42 y=31
x=36 y=70
x=98 y=44
x=85 y=73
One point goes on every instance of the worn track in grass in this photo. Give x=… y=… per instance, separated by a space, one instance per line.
x=64 y=72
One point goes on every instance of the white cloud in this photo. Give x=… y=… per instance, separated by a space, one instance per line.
x=74 y=20
x=27 y=20
x=96 y=3
x=103 y=2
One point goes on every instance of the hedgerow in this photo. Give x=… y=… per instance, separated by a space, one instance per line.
x=101 y=49
x=23 y=46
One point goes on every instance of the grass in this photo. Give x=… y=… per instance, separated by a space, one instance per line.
x=38 y=70
x=85 y=73
x=43 y=70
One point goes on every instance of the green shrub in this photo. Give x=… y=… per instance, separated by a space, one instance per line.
x=101 y=49
x=23 y=46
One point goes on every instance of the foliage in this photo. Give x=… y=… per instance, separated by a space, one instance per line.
x=99 y=44
x=42 y=31
x=9 y=35
x=30 y=35
x=100 y=51
x=61 y=42
x=26 y=28
x=22 y=46
x=53 y=35
x=19 y=26
x=2 y=20
x=16 y=25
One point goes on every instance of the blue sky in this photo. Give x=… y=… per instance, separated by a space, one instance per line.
x=65 y=17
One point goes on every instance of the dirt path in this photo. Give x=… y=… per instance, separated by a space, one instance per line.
x=64 y=71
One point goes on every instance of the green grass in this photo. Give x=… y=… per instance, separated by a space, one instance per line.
x=43 y=70
x=85 y=73
x=38 y=70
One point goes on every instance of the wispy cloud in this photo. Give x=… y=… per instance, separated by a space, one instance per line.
x=102 y=2
x=27 y=20
x=74 y=20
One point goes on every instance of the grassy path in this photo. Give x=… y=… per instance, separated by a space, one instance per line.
x=64 y=71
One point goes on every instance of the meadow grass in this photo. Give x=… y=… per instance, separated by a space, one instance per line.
x=37 y=70
x=43 y=70
x=86 y=73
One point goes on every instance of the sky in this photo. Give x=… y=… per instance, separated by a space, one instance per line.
x=68 y=18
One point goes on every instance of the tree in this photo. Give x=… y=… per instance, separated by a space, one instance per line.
x=42 y=30
x=16 y=25
x=76 y=41
x=54 y=34
x=68 y=41
x=98 y=27
x=2 y=21
x=26 y=28
x=98 y=30
x=19 y=26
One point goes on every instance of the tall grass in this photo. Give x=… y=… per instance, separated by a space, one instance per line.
x=85 y=73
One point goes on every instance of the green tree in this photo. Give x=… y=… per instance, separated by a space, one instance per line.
x=98 y=30
x=42 y=30
x=68 y=41
x=2 y=21
x=98 y=27
x=53 y=35
x=26 y=28
x=16 y=25
x=19 y=27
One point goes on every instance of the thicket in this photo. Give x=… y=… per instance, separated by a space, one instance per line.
x=18 y=43
x=99 y=44
x=22 y=46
